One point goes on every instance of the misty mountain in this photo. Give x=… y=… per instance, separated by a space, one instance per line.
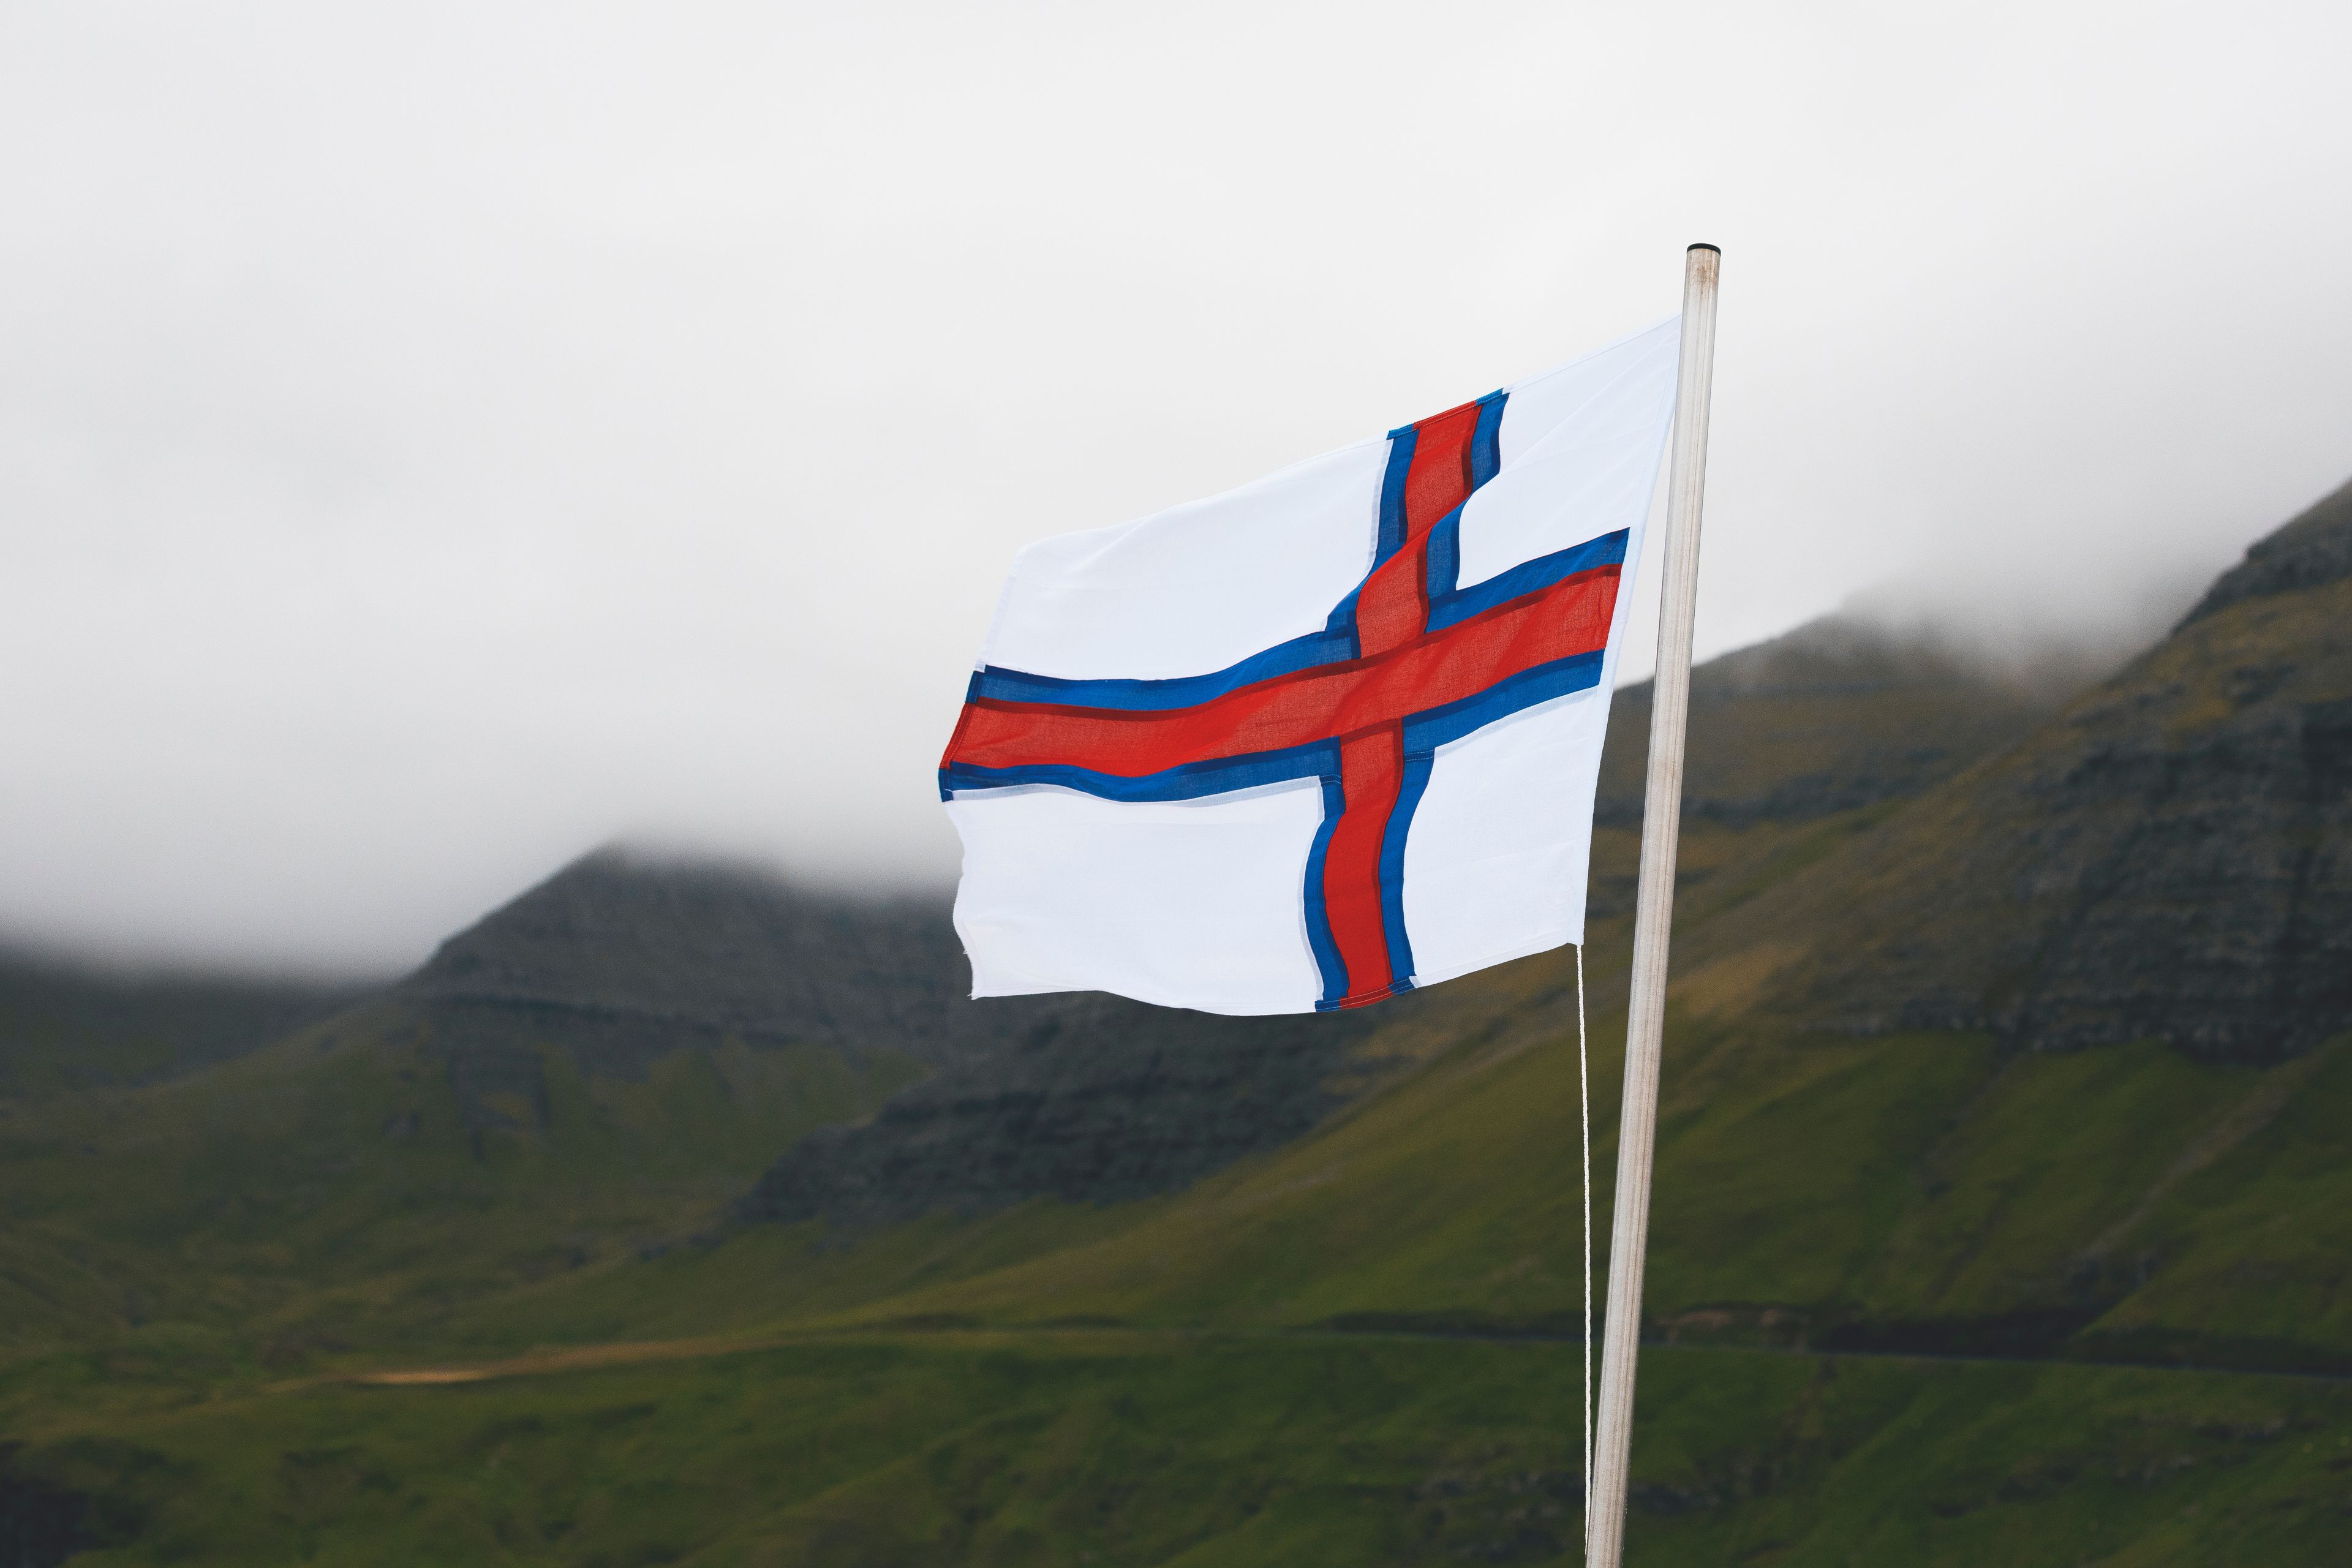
x=621 y=962
x=1879 y=835
x=2169 y=858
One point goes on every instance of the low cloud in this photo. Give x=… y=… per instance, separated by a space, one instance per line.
x=435 y=441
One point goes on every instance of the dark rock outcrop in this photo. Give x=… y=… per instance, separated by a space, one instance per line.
x=1105 y=1100
x=2193 y=888
x=41 y=1523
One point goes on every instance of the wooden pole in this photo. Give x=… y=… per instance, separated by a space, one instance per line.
x=1662 y=813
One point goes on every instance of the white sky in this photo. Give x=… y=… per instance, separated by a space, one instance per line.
x=435 y=440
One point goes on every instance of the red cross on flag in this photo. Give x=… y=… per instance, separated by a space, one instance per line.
x=1324 y=738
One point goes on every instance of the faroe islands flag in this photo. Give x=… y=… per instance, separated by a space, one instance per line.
x=1324 y=738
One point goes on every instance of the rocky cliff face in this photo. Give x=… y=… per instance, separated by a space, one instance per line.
x=2170 y=858
x=1102 y=1101
x=2191 y=877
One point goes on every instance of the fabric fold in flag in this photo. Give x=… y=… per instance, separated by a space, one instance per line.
x=1324 y=738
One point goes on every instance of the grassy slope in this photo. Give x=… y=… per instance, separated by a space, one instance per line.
x=1918 y=1187
x=326 y=1192
x=1100 y=1448
x=1907 y=1177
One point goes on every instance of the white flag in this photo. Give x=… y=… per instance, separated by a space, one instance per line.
x=1324 y=738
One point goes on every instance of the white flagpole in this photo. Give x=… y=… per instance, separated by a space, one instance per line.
x=1662 y=813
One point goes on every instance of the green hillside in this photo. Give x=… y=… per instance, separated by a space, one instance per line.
x=1074 y=1448
x=338 y=1189
x=2000 y=1210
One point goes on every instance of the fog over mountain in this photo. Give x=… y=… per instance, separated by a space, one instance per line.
x=435 y=440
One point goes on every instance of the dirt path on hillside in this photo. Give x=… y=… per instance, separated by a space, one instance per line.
x=638 y=1353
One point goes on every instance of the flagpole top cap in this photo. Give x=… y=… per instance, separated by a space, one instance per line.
x=1703 y=245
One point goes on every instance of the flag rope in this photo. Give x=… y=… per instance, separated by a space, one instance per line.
x=1584 y=1093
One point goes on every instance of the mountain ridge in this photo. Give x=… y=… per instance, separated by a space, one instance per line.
x=2170 y=857
x=2311 y=550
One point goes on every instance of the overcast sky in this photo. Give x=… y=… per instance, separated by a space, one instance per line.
x=435 y=440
